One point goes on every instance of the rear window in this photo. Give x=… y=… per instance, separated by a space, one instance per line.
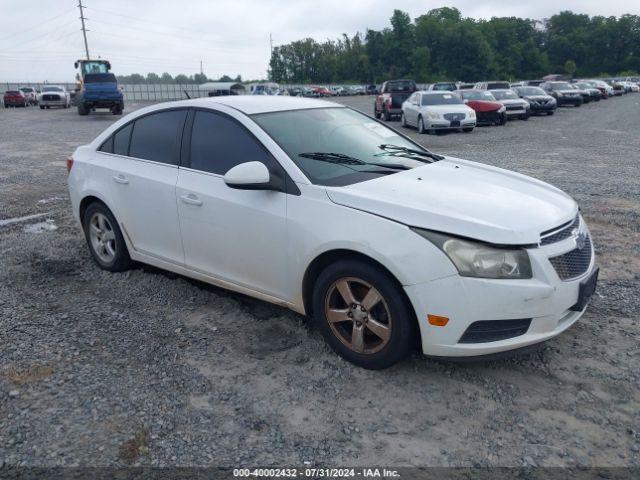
x=100 y=78
x=444 y=86
x=13 y=92
x=401 y=86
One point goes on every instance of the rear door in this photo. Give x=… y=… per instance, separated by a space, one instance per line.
x=144 y=172
x=238 y=236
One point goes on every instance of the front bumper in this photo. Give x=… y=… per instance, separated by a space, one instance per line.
x=442 y=124
x=490 y=118
x=543 y=107
x=545 y=299
x=54 y=103
x=569 y=101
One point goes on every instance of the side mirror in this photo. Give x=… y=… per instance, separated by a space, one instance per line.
x=249 y=176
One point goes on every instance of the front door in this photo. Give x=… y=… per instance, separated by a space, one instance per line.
x=234 y=235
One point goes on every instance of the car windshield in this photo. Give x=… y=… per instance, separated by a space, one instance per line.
x=531 y=91
x=492 y=85
x=339 y=146
x=561 y=86
x=440 y=99
x=401 y=86
x=51 y=89
x=478 y=95
x=505 y=94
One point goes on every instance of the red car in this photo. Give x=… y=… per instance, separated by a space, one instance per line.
x=320 y=92
x=488 y=110
x=15 y=98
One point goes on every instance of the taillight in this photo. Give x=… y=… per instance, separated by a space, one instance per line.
x=69 y=164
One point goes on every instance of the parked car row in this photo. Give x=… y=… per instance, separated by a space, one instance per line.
x=50 y=96
x=462 y=107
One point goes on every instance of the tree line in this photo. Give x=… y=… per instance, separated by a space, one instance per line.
x=444 y=45
x=166 y=78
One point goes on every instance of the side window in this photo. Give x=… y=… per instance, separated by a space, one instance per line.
x=219 y=143
x=157 y=136
x=121 y=140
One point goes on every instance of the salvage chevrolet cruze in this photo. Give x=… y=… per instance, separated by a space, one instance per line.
x=324 y=210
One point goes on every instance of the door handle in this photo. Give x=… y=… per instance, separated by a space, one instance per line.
x=191 y=199
x=120 y=179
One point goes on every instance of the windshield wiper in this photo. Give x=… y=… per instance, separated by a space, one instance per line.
x=331 y=157
x=342 y=159
x=398 y=150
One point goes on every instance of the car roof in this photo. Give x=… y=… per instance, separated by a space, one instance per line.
x=252 y=104
x=501 y=90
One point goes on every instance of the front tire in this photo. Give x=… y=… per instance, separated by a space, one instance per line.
x=403 y=121
x=467 y=130
x=104 y=238
x=421 y=129
x=363 y=315
x=82 y=109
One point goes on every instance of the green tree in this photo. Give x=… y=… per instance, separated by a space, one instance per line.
x=570 y=67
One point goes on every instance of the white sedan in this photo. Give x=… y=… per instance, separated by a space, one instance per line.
x=319 y=208
x=437 y=110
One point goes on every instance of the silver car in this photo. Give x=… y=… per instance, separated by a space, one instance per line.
x=516 y=107
x=54 y=96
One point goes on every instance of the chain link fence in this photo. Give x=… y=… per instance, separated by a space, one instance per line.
x=139 y=92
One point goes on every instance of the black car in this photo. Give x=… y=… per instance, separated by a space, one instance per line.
x=564 y=93
x=540 y=102
x=594 y=94
x=371 y=89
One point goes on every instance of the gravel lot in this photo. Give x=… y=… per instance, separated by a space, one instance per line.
x=148 y=368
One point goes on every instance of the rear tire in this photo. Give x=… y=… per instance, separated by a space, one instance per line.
x=82 y=109
x=380 y=332
x=104 y=238
x=550 y=112
x=41 y=107
x=387 y=115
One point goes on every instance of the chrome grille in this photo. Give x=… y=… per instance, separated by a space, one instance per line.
x=452 y=117
x=574 y=263
x=560 y=233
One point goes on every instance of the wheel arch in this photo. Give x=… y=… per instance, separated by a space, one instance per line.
x=88 y=200
x=324 y=259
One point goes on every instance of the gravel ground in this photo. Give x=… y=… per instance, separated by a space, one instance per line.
x=148 y=368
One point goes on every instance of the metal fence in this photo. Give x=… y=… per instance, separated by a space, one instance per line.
x=138 y=92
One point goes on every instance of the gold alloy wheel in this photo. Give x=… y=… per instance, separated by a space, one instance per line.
x=358 y=315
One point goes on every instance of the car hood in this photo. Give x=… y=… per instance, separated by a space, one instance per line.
x=463 y=198
x=536 y=98
x=484 y=105
x=441 y=109
x=513 y=101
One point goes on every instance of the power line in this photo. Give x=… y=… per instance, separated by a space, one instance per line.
x=37 y=25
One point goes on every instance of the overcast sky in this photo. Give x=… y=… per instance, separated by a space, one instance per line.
x=41 y=42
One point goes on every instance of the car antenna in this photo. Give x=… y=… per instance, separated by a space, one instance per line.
x=187 y=94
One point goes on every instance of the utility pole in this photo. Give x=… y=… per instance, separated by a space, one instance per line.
x=271 y=46
x=201 y=72
x=84 y=30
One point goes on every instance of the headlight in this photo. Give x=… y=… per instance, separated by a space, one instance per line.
x=472 y=114
x=502 y=109
x=476 y=259
x=432 y=115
